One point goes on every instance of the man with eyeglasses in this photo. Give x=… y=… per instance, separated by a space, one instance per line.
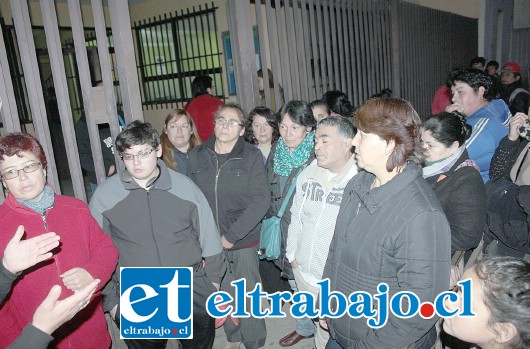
x=158 y=217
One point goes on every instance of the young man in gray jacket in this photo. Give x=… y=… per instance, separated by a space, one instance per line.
x=159 y=218
x=315 y=208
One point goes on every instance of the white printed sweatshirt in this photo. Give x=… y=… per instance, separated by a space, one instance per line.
x=314 y=212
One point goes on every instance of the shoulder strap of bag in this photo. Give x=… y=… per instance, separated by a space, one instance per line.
x=288 y=196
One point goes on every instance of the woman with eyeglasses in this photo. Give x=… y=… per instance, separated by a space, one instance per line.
x=84 y=255
x=230 y=173
x=180 y=136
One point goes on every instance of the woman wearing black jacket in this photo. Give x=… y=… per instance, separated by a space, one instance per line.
x=455 y=178
x=230 y=173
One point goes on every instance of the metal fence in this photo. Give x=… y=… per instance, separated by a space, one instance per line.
x=360 y=47
x=174 y=48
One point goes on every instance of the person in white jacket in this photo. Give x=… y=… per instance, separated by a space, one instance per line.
x=316 y=205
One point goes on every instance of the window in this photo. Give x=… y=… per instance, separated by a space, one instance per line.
x=173 y=51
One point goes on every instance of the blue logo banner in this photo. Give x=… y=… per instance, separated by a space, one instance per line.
x=156 y=303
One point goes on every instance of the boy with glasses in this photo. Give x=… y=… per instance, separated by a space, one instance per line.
x=158 y=217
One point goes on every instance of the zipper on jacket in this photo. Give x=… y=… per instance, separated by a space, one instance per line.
x=218 y=172
x=151 y=226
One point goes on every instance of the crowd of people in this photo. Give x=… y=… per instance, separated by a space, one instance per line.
x=364 y=196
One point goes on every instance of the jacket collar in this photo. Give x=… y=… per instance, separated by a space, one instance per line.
x=161 y=182
x=375 y=198
x=460 y=160
x=12 y=202
x=237 y=152
x=320 y=174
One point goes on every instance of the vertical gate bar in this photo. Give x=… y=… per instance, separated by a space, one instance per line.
x=33 y=84
x=307 y=55
x=286 y=77
x=156 y=52
x=291 y=50
x=263 y=56
x=141 y=63
x=370 y=49
x=321 y=48
x=148 y=67
x=343 y=47
x=106 y=74
x=273 y=41
x=126 y=60
x=86 y=87
x=9 y=110
x=180 y=78
x=53 y=42
x=300 y=43
x=333 y=18
x=379 y=47
x=315 y=68
x=243 y=43
x=357 y=82
x=328 y=40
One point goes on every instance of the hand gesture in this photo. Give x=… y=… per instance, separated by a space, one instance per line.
x=515 y=122
x=52 y=312
x=22 y=254
x=455 y=107
x=76 y=278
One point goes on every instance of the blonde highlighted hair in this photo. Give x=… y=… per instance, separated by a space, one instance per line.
x=167 y=147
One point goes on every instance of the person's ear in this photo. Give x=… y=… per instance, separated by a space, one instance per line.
x=159 y=151
x=390 y=145
x=242 y=132
x=481 y=91
x=454 y=146
x=517 y=78
x=505 y=332
x=308 y=129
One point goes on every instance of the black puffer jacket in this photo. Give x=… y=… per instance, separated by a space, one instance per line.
x=276 y=199
x=398 y=234
x=236 y=190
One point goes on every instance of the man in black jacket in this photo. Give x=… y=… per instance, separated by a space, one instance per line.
x=512 y=91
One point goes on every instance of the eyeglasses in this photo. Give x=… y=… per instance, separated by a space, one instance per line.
x=228 y=122
x=140 y=155
x=14 y=172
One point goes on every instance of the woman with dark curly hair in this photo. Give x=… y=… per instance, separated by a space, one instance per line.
x=262 y=130
x=500 y=299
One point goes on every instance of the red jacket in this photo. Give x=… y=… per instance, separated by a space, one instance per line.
x=202 y=109
x=83 y=245
x=442 y=99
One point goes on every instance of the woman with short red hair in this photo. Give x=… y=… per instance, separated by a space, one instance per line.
x=85 y=252
x=390 y=229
